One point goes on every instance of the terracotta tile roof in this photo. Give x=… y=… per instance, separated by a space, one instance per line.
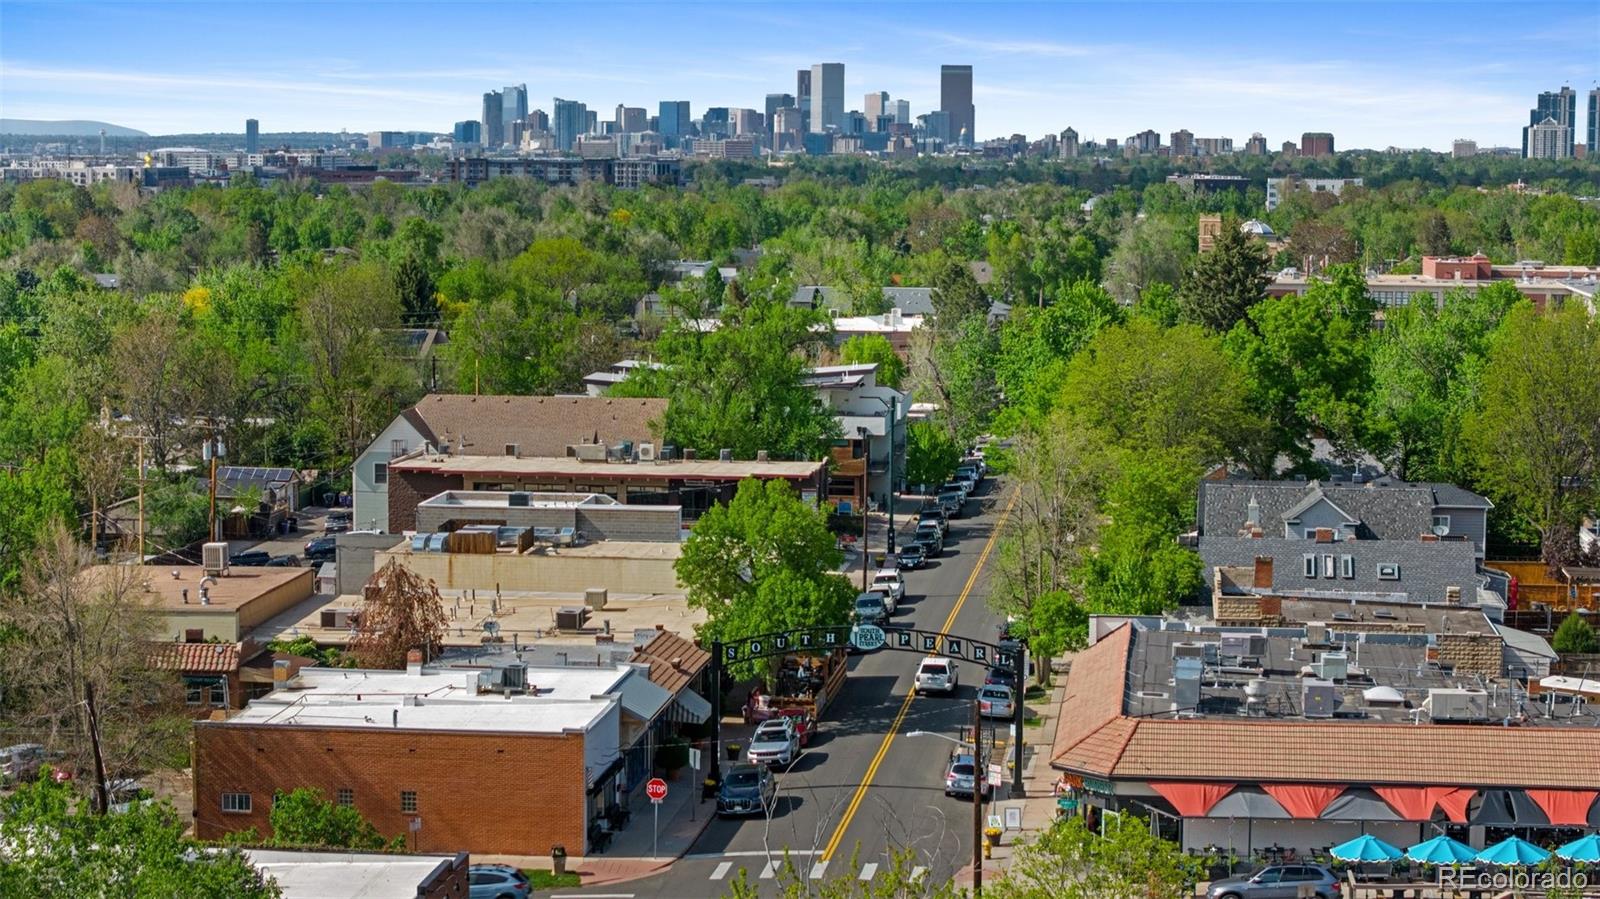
x=659 y=654
x=540 y=426
x=1096 y=739
x=218 y=658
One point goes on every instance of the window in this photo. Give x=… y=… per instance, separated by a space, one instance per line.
x=1388 y=571
x=1347 y=567
x=408 y=801
x=1310 y=562
x=193 y=694
x=236 y=802
x=1327 y=566
x=380 y=473
x=1441 y=521
x=397 y=447
x=513 y=449
x=1311 y=533
x=345 y=797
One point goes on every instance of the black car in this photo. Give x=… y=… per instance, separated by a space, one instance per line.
x=747 y=790
x=912 y=555
x=322 y=549
x=931 y=540
x=250 y=558
x=288 y=561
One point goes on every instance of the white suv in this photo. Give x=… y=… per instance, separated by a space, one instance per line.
x=889 y=581
x=937 y=675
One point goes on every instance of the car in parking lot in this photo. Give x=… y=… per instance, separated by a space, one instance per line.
x=937 y=675
x=951 y=501
x=250 y=558
x=746 y=790
x=934 y=515
x=870 y=609
x=994 y=701
x=1277 y=881
x=962 y=777
x=497 y=882
x=775 y=742
x=891 y=582
x=321 y=549
x=912 y=555
x=932 y=541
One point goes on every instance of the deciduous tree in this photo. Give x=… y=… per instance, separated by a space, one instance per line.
x=869 y=348
x=402 y=612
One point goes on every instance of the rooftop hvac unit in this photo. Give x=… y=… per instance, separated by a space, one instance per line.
x=589 y=452
x=668 y=452
x=1188 y=650
x=595 y=598
x=725 y=455
x=1316 y=633
x=1457 y=704
x=647 y=452
x=514 y=678
x=1334 y=666
x=1319 y=698
x=1186 y=673
x=572 y=618
x=214 y=558
x=518 y=498
x=1239 y=646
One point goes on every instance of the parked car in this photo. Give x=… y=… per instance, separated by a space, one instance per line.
x=973 y=469
x=774 y=743
x=932 y=541
x=497 y=882
x=1275 y=882
x=912 y=555
x=250 y=558
x=337 y=522
x=321 y=549
x=935 y=515
x=937 y=675
x=962 y=777
x=994 y=701
x=805 y=726
x=870 y=609
x=954 y=486
x=1003 y=677
x=891 y=582
x=21 y=762
x=288 y=561
x=952 y=502
x=746 y=790
x=889 y=603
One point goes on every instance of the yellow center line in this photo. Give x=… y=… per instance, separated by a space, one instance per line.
x=905 y=706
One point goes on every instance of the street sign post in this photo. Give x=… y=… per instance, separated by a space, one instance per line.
x=656 y=789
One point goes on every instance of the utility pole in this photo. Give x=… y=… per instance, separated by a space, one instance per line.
x=141 y=499
x=894 y=402
x=101 y=795
x=979 y=773
x=211 y=450
x=866 y=479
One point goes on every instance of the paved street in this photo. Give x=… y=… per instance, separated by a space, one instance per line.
x=863 y=787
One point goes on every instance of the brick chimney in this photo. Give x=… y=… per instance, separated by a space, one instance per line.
x=1263 y=574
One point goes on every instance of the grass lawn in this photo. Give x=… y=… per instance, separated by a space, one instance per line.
x=546 y=880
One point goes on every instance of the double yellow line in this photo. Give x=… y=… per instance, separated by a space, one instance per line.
x=900 y=717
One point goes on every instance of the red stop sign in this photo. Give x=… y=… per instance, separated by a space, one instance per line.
x=656 y=789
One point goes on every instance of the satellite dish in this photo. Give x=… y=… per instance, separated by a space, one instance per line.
x=1441 y=530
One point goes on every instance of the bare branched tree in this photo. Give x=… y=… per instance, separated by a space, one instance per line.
x=402 y=612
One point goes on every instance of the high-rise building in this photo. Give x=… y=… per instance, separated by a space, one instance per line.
x=494 y=125
x=714 y=123
x=1256 y=145
x=252 y=133
x=901 y=110
x=1069 y=143
x=673 y=121
x=1548 y=140
x=802 y=97
x=513 y=108
x=875 y=105
x=776 y=102
x=1213 y=146
x=570 y=120
x=1290 y=148
x=786 y=127
x=539 y=120
x=630 y=119
x=1316 y=143
x=1560 y=106
x=935 y=128
x=1146 y=141
x=827 y=96
x=468 y=132
x=955 y=100
x=591 y=120
x=744 y=122
x=1182 y=142
x=1463 y=148
x=1592 y=144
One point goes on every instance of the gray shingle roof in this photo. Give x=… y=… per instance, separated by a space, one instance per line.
x=909 y=300
x=1426 y=568
x=1386 y=510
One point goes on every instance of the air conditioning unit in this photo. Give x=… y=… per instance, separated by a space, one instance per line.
x=1186 y=672
x=214 y=558
x=1319 y=698
x=647 y=452
x=1334 y=666
x=589 y=452
x=725 y=455
x=1457 y=704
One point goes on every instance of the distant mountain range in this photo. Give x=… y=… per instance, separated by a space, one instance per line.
x=69 y=128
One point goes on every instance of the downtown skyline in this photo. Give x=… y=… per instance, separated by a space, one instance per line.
x=1106 y=70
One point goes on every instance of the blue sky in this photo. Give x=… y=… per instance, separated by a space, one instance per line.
x=1375 y=74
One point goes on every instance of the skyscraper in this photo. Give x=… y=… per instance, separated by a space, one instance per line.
x=252 y=131
x=901 y=110
x=1182 y=142
x=570 y=119
x=468 y=132
x=1560 y=106
x=494 y=126
x=1548 y=139
x=802 y=97
x=513 y=107
x=1591 y=146
x=630 y=119
x=776 y=102
x=955 y=99
x=876 y=104
x=1316 y=143
x=673 y=121
x=1256 y=145
x=827 y=96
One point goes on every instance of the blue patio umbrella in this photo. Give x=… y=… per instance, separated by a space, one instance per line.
x=1513 y=851
x=1365 y=848
x=1442 y=850
x=1583 y=849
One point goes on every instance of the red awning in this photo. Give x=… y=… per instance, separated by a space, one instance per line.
x=1455 y=802
x=1192 y=800
x=1565 y=807
x=1412 y=803
x=1303 y=800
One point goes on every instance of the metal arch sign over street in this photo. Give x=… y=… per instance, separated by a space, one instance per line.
x=867 y=637
x=822 y=639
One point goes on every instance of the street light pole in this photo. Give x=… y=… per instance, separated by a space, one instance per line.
x=866 y=479
x=978 y=772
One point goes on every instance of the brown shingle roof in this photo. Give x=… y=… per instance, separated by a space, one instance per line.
x=538 y=425
x=218 y=658
x=1095 y=738
x=660 y=654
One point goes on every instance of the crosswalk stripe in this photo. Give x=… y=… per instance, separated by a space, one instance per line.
x=817 y=869
x=721 y=871
x=869 y=869
x=918 y=872
x=770 y=871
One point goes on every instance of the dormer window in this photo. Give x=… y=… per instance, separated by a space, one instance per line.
x=1388 y=571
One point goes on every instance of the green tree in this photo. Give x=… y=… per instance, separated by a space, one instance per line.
x=1037 y=344
x=57 y=846
x=957 y=296
x=1138 y=568
x=1575 y=635
x=304 y=817
x=1536 y=435
x=955 y=369
x=1070 y=861
x=868 y=348
x=1225 y=281
x=931 y=455
x=764 y=562
x=1152 y=250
